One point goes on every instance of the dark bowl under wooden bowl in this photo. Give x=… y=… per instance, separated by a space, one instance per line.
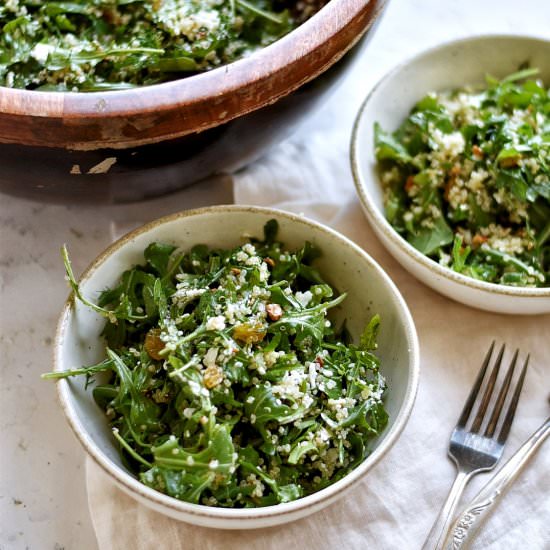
x=56 y=146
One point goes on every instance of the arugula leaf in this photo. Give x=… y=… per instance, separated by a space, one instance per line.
x=429 y=239
x=389 y=148
x=459 y=254
x=370 y=334
x=261 y=406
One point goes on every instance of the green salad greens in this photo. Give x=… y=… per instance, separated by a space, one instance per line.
x=467 y=180
x=225 y=383
x=94 y=45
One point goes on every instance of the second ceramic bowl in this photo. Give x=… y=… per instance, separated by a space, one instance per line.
x=344 y=265
x=452 y=65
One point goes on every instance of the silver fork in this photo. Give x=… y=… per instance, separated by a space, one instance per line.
x=472 y=451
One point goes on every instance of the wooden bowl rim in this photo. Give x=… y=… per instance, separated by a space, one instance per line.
x=260 y=66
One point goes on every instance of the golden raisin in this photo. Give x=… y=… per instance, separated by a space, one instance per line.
x=249 y=334
x=409 y=184
x=269 y=261
x=153 y=344
x=213 y=376
x=510 y=162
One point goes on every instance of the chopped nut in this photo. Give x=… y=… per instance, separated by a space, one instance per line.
x=269 y=261
x=478 y=240
x=235 y=271
x=274 y=311
x=409 y=183
x=476 y=150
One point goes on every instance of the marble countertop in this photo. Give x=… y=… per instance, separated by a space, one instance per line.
x=43 y=502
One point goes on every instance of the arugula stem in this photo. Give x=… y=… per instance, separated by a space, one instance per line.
x=103 y=366
x=326 y=305
x=111 y=315
x=544 y=235
x=180 y=463
x=129 y=449
x=521 y=75
x=117 y=51
x=177 y=373
x=506 y=258
x=199 y=331
x=76 y=288
x=258 y=11
x=173 y=268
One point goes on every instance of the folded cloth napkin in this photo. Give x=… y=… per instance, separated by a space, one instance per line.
x=396 y=504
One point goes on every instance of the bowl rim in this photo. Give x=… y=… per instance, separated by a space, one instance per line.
x=135 y=487
x=149 y=114
x=377 y=219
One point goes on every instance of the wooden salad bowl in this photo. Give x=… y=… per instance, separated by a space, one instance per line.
x=126 y=145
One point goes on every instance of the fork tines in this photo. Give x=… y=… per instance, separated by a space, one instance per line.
x=485 y=400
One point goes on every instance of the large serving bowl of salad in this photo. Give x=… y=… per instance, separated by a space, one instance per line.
x=450 y=155
x=235 y=367
x=112 y=101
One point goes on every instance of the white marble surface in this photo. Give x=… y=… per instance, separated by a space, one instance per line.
x=43 y=501
x=43 y=504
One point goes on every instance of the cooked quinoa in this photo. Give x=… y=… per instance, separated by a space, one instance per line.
x=466 y=179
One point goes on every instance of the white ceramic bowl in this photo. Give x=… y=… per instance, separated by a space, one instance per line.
x=445 y=67
x=345 y=265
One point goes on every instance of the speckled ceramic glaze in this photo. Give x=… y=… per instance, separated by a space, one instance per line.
x=446 y=67
x=343 y=264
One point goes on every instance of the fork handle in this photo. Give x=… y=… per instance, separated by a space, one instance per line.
x=476 y=512
x=438 y=534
